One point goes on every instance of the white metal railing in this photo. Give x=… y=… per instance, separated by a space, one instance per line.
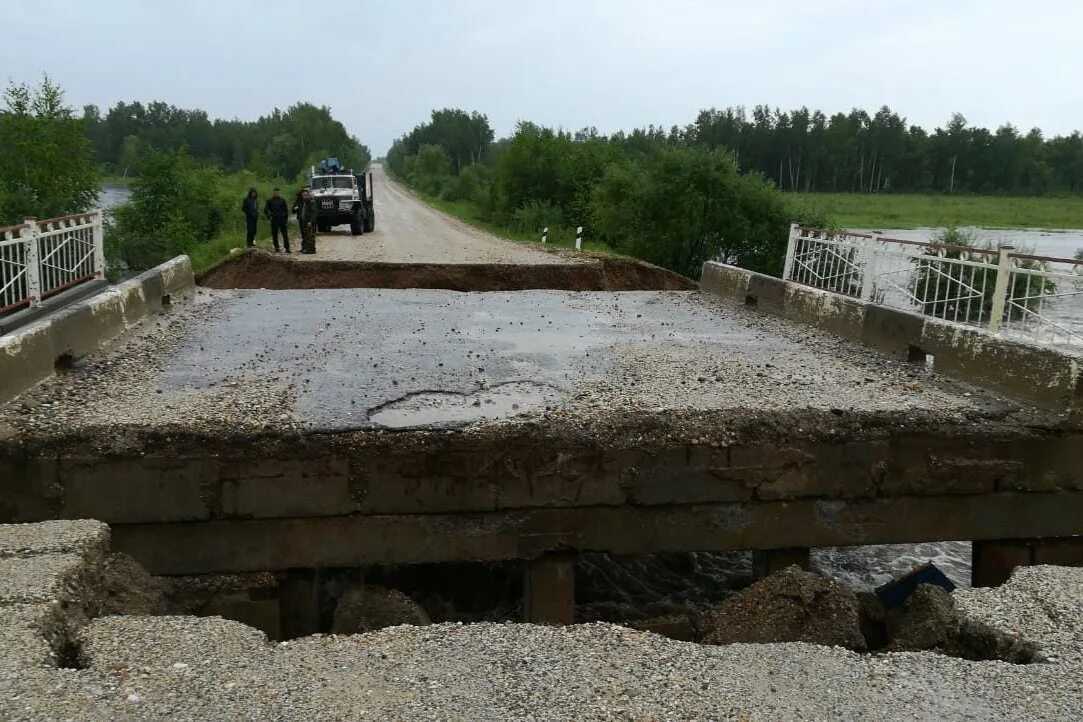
x=1037 y=298
x=41 y=258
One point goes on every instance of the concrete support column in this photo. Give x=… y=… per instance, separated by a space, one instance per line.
x=549 y=589
x=992 y=562
x=766 y=562
x=299 y=602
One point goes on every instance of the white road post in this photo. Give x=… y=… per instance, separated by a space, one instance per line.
x=1000 y=290
x=98 y=233
x=791 y=249
x=579 y=238
x=545 y=234
x=33 y=266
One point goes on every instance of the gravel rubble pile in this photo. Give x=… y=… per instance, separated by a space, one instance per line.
x=189 y=668
x=143 y=667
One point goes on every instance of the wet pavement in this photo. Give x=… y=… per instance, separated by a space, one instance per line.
x=344 y=359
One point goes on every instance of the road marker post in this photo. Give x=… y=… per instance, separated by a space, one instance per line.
x=579 y=238
x=545 y=234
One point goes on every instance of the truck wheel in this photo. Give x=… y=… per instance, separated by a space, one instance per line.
x=370 y=223
x=356 y=224
x=323 y=227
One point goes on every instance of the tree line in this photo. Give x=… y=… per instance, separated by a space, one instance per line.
x=190 y=173
x=862 y=153
x=645 y=193
x=282 y=144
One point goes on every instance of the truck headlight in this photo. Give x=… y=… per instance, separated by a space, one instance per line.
x=345 y=205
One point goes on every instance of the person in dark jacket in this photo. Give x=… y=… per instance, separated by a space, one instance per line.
x=306 y=217
x=250 y=207
x=277 y=212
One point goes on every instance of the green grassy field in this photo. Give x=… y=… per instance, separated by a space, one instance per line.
x=884 y=210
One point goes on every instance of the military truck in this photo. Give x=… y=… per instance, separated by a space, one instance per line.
x=342 y=197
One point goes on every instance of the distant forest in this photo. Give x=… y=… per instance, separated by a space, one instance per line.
x=281 y=144
x=857 y=152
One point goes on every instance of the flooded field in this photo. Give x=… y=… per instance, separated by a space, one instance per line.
x=1062 y=244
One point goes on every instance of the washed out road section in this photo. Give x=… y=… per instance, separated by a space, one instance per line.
x=410 y=231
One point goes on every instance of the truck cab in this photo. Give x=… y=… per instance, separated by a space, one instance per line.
x=341 y=197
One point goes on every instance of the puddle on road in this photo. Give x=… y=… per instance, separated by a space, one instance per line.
x=436 y=408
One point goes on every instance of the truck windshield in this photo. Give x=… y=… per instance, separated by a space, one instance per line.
x=332 y=181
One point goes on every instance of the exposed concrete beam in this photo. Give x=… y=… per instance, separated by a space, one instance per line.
x=235 y=546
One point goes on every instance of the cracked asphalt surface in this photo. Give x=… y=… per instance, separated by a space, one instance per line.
x=374 y=358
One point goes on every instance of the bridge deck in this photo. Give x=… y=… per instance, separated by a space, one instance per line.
x=349 y=359
x=273 y=429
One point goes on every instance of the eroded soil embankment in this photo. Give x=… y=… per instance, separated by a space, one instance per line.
x=256 y=269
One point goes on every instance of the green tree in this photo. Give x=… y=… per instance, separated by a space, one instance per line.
x=684 y=207
x=46 y=162
x=433 y=168
x=174 y=206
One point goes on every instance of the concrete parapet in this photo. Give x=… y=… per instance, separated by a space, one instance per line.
x=31 y=354
x=1042 y=376
x=723 y=280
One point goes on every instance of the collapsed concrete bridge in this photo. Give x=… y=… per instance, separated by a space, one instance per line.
x=292 y=430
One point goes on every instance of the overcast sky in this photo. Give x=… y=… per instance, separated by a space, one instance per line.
x=381 y=65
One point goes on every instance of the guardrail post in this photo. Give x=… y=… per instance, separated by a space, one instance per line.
x=870 y=251
x=98 y=233
x=791 y=249
x=33 y=266
x=1000 y=290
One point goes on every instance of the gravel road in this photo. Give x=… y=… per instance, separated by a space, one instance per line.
x=409 y=231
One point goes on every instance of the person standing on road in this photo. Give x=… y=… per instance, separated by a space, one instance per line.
x=306 y=217
x=278 y=213
x=250 y=207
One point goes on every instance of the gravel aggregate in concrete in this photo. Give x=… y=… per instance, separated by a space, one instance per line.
x=52 y=537
x=27 y=580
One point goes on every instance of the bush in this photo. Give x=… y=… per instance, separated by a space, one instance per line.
x=684 y=206
x=533 y=216
x=174 y=205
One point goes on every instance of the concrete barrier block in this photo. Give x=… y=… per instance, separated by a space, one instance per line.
x=723 y=280
x=1041 y=375
x=29 y=355
x=766 y=292
x=177 y=276
x=26 y=357
x=134 y=305
x=829 y=311
x=891 y=330
x=81 y=329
